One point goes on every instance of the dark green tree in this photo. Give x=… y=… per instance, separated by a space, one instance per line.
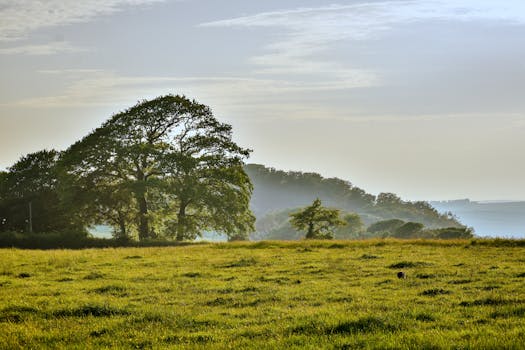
x=408 y=230
x=204 y=170
x=388 y=199
x=318 y=222
x=385 y=226
x=454 y=233
x=32 y=183
x=4 y=205
x=168 y=165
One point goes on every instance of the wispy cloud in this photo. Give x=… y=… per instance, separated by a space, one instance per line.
x=307 y=32
x=53 y=48
x=21 y=17
x=92 y=87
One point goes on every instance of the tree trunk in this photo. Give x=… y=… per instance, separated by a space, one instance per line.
x=310 y=233
x=122 y=225
x=143 y=218
x=181 y=222
x=144 y=232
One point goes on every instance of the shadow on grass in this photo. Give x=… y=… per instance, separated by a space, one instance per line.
x=17 y=314
x=408 y=264
x=91 y=310
x=491 y=302
x=435 y=292
x=244 y=262
x=112 y=290
x=369 y=324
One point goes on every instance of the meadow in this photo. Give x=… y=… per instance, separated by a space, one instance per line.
x=266 y=295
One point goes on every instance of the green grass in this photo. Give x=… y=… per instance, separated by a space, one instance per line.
x=267 y=295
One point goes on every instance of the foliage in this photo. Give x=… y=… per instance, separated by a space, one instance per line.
x=32 y=182
x=273 y=295
x=409 y=230
x=162 y=167
x=353 y=227
x=385 y=226
x=318 y=221
x=275 y=192
x=453 y=233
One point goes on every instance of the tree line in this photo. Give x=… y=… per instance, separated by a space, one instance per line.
x=164 y=168
x=319 y=222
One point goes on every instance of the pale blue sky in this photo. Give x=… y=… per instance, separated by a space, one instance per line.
x=422 y=98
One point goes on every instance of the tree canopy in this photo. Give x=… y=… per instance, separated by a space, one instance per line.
x=318 y=222
x=165 y=166
x=31 y=184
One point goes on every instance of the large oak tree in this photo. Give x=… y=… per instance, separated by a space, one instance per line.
x=164 y=166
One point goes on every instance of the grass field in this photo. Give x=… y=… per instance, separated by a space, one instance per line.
x=267 y=295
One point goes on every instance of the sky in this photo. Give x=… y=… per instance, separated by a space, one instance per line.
x=425 y=99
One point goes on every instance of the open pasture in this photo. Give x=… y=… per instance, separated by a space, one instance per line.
x=266 y=295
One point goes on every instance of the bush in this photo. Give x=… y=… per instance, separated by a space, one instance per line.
x=408 y=230
x=454 y=233
x=72 y=240
x=385 y=226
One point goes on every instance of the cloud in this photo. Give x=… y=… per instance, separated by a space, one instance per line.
x=21 y=17
x=256 y=100
x=309 y=32
x=43 y=49
x=92 y=87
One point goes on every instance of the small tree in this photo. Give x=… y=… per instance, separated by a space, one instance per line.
x=318 y=221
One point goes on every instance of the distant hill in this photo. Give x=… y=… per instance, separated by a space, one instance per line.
x=495 y=219
x=276 y=193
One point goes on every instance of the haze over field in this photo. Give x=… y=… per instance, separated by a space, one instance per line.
x=420 y=98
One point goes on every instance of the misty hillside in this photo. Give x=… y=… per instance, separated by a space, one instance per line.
x=495 y=219
x=277 y=192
